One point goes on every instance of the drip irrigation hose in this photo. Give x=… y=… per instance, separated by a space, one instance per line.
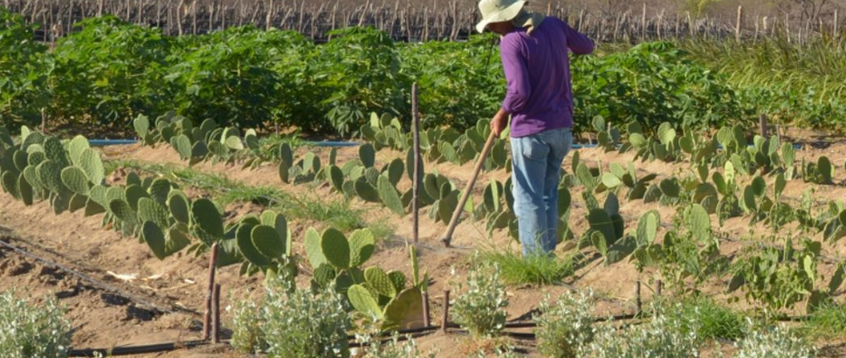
x=93 y=282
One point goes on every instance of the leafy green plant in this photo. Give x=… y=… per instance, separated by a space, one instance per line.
x=565 y=326
x=373 y=346
x=481 y=308
x=782 y=277
x=23 y=67
x=110 y=70
x=33 y=330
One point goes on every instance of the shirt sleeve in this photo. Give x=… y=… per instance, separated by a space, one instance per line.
x=516 y=75
x=577 y=42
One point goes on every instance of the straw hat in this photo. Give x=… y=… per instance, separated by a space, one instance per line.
x=498 y=11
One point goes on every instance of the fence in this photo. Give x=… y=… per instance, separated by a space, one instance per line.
x=448 y=20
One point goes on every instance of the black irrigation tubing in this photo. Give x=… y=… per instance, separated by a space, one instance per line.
x=94 y=282
x=132 y=350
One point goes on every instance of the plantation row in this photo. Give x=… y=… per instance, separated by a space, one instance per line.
x=727 y=180
x=111 y=71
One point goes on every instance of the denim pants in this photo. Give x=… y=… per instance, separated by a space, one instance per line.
x=536 y=169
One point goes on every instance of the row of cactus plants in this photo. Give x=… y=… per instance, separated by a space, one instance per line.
x=157 y=212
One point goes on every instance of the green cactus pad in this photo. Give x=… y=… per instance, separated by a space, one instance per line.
x=405 y=311
x=284 y=171
x=363 y=301
x=77 y=202
x=379 y=280
x=134 y=193
x=10 y=184
x=367 y=154
x=205 y=215
x=366 y=191
x=314 y=252
x=142 y=126
x=247 y=248
x=179 y=206
x=25 y=190
x=389 y=195
x=267 y=241
x=447 y=206
x=151 y=210
x=699 y=222
x=670 y=188
x=75 y=148
x=361 y=244
x=337 y=178
x=50 y=175
x=159 y=190
x=600 y=221
x=122 y=211
x=335 y=248
x=183 y=146
x=92 y=207
x=177 y=238
x=75 y=180
x=92 y=165
x=55 y=151
x=647 y=228
x=154 y=237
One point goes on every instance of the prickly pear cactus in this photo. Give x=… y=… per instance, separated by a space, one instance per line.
x=75 y=180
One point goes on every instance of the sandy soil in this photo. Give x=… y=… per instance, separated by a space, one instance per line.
x=104 y=319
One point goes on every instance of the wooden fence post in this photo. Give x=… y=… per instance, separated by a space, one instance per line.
x=739 y=23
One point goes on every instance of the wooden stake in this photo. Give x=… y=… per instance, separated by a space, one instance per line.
x=763 y=123
x=426 y=320
x=415 y=208
x=210 y=292
x=638 y=301
x=445 y=320
x=739 y=23
x=658 y=287
x=43 y=121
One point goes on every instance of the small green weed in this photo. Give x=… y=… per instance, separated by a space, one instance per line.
x=828 y=321
x=712 y=320
x=536 y=269
x=336 y=213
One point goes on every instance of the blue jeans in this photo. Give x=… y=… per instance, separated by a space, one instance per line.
x=536 y=162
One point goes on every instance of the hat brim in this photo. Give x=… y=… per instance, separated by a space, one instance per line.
x=503 y=15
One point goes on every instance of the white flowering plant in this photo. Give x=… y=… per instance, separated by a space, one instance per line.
x=658 y=338
x=774 y=342
x=28 y=330
x=481 y=308
x=564 y=326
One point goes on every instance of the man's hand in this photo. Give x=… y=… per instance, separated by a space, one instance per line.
x=499 y=122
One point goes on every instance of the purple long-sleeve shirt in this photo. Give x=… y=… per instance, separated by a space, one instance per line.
x=537 y=69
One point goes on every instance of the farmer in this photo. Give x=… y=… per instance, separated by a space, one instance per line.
x=539 y=101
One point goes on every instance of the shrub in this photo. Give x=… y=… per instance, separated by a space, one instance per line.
x=246 y=327
x=22 y=67
x=481 y=309
x=110 y=70
x=660 y=337
x=565 y=325
x=28 y=330
x=292 y=323
x=393 y=348
x=777 y=342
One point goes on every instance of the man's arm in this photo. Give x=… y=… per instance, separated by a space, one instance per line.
x=516 y=75
x=577 y=42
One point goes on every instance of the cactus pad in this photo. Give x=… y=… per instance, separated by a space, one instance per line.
x=75 y=180
x=335 y=248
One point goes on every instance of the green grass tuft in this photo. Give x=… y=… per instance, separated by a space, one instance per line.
x=535 y=270
x=714 y=320
x=829 y=321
